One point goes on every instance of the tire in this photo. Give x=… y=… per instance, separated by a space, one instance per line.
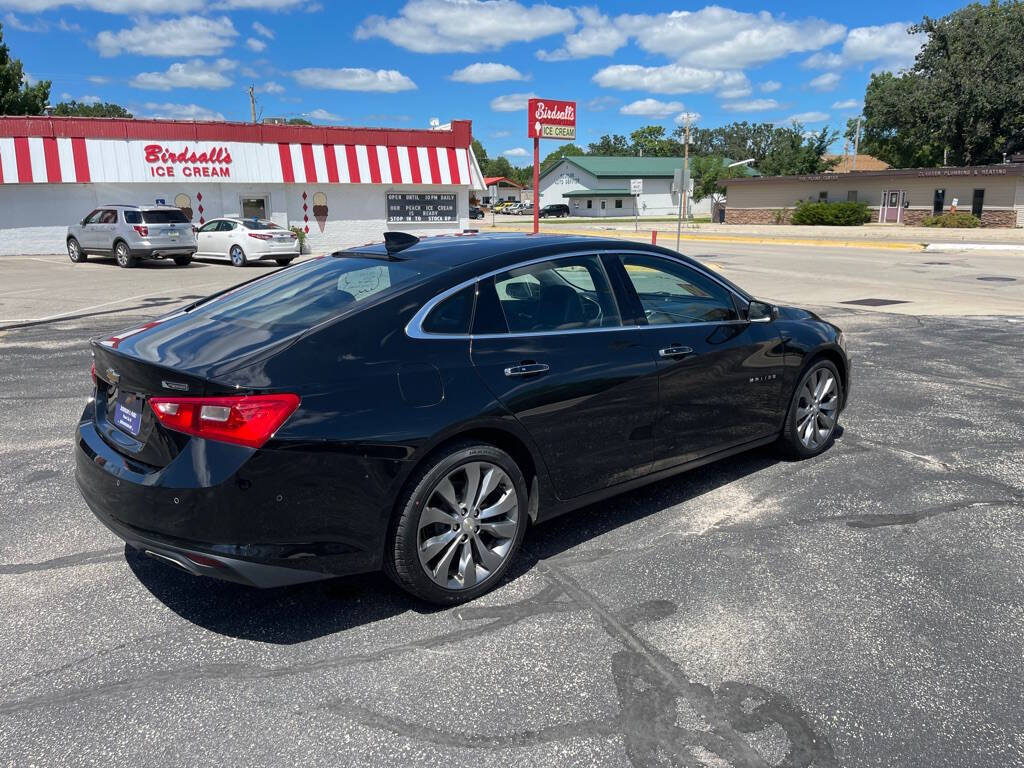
x=124 y=257
x=283 y=262
x=237 y=256
x=75 y=252
x=799 y=439
x=464 y=545
x=182 y=261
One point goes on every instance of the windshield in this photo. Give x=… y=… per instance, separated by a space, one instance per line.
x=307 y=294
x=164 y=217
x=250 y=224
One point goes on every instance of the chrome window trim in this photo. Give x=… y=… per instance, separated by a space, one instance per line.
x=414 y=328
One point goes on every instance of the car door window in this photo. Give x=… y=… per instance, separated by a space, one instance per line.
x=558 y=295
x=92 y=218
x=227 y=226
x=671 y=292
x=108 y=217
x=210 y=226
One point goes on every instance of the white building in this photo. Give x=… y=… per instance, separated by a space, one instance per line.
x=331 y=182
x=600 y=186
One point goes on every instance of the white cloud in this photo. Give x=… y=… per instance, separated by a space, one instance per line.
x=825 y=82
x=255 y=44
x=486 y=72
x=466 y=26
x=12 y=21
x=728 y=38
x=169 y=111
x=500 y=134
x=106 y=6
x=511 y=102
x=90 y=100
x=736 y=91
x=515 y=152
x=601 y=103
x=671 y=78
x=196 y=73
x=98 y=79
x=185 y=36
x=65 y=96
x=598 y=36
x=64 y=26
x=271 y=87
x=769 y=86
x=807 y=117
x=823 y=60
x=652 y=108
x=354 y=79
x=888 y=44
x=324 y=115
x=681 y=117
x=847 y=104
x=264 y=5
x=753 y=105
x=262 y=29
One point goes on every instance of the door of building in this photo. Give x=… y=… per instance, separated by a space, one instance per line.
x=892 y=206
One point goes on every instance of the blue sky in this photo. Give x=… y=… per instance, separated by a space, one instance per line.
x=626 y=64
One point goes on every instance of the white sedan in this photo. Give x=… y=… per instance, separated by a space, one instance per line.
x=244 y=240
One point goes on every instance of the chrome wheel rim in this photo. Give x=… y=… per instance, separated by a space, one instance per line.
x=468 y=525
x=236 y=256
x=73 y=250
x=122 y=254
x=817 y=408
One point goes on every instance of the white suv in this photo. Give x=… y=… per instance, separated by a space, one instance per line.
x=133 y=232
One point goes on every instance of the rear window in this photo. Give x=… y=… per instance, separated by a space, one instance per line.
x=305 y=295
x=164 y=217
x=250 y=224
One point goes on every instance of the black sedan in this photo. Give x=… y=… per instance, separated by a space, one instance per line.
x=414 y=405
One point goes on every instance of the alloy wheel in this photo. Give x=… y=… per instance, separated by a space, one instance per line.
x=74 y=250
x=122 y=255
x=237 y=257
x=468 y=525
x=817 y=408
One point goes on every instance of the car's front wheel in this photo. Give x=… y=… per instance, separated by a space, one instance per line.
x=237 y=256
x=75 y=252
x=124 y=256
x=458 y=525
x=813 y=411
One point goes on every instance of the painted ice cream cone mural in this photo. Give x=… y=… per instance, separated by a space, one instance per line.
x=320 y=209
x=184 y=202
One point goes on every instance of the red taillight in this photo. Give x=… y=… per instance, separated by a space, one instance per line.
x=92 y=372
x=143 y=231
x=245 y=419
x=260 y=236
x=294 y=236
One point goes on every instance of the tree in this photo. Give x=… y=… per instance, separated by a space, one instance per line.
x=612 y=145
x=564 y=150
x=650 y=141
x=480 y=153
x=708 y=173
x=103 y=109
x=795 y=151
x=297 y=121
x=17 y=97
x=964 y=94
x=739 y=141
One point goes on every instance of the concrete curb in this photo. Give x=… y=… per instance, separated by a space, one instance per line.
x=952 y=247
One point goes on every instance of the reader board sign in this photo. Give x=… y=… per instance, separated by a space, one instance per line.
x=421 y=207
x=551 y=119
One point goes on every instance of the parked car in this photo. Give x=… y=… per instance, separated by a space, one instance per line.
x=243 y=240
x=524 y=209
x=475 y=212
x=556 y=210
x=411 y=405
x=130 y=233
x=503 y=206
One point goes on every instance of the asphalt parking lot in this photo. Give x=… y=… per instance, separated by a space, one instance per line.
x=863 y=608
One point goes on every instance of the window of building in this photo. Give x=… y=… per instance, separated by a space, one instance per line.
x=978 y=202
x=618 y=203
x=851 y=196
x=939 y=201
x=603 y=204
x=590 y=203
x=823 y=196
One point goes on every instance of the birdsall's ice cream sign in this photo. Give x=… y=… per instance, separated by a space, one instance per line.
x=166 y=163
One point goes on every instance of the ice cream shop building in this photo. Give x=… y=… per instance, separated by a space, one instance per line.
x=342 y=186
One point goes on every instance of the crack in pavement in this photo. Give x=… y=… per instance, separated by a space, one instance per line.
x=67 y=561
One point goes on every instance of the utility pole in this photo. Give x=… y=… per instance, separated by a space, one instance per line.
x=856 y=145
x=252 y=101
x=684 y=182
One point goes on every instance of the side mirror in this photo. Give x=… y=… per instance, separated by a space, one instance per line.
x=760 y=312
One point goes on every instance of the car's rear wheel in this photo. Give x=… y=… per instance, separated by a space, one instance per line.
x=283 y=262
x=813 y=411
x=182 y=261
x=124 y=256
x=75 y=252
x=459 y=524
x=237 y=256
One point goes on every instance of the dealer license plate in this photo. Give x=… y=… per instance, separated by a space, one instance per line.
x=128 y=413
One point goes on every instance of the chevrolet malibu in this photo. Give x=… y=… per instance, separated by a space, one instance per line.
x=415 y=405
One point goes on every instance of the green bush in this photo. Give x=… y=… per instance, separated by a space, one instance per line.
x=844 y=214
x=300 y=233
x=960 y=219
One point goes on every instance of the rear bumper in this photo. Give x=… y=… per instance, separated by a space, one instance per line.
x=228 y=512
x=163 y=251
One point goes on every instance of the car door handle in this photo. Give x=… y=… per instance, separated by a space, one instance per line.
x=675 y=351
x=527 y=369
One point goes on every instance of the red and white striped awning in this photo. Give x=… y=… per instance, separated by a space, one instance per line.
x=40 y=151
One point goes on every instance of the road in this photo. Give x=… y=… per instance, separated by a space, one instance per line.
x=859 y=609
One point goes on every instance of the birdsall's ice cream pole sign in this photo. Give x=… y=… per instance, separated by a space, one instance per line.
x=551 y=119
x=169 y=162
